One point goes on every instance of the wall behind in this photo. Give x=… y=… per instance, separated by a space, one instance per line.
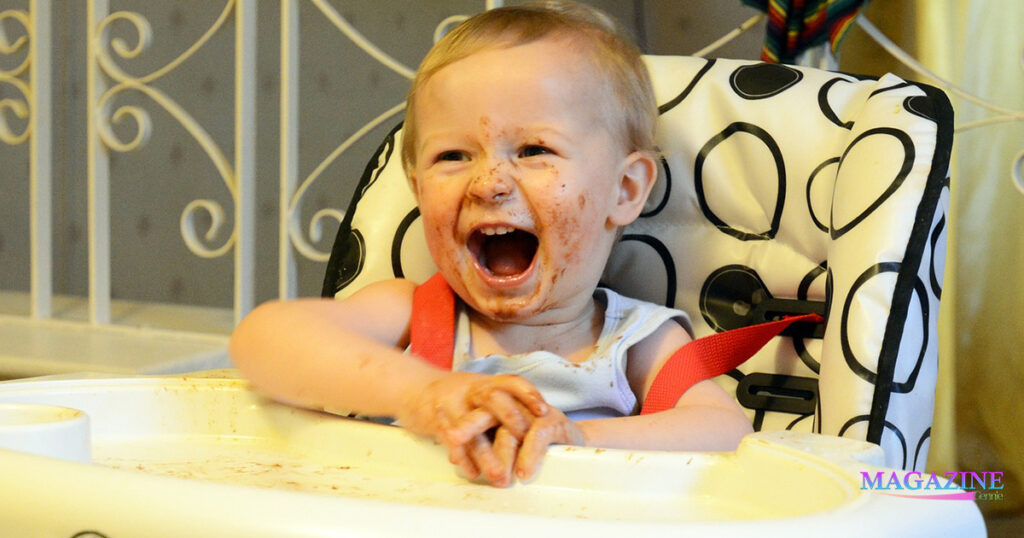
x=341 y=89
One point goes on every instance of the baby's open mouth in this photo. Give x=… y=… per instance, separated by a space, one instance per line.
x=503 y=251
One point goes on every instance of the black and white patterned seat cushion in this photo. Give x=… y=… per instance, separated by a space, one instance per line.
x=783 y=189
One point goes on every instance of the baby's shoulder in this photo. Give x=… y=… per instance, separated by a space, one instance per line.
x=392 y=288
x=669 y=336
x=381 y=310
x=647 y=356
x=654 y=331
x=631 y=312
x=393 y=297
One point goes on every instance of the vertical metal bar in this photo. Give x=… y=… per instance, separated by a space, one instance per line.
x=245 y=157
x=287 y=283
x=99 y=175
x=41 y=160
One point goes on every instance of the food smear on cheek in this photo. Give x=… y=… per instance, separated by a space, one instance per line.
x=568 y=233
x=557 y=275
x=451 y=256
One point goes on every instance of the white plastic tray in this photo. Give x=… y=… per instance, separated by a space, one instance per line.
x=191 y=456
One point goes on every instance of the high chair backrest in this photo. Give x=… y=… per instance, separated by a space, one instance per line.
x=783 y=190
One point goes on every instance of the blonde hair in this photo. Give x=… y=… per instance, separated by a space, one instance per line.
x=617 y=61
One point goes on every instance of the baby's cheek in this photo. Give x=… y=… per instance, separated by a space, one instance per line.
x=440 y=239
x=568 y=232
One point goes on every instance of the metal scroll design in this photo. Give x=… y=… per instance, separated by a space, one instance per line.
x=139 y=118
x=292 y=210
x=316 y=225
x=15 y=106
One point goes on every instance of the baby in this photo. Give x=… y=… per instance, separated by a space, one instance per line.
x=528 y=141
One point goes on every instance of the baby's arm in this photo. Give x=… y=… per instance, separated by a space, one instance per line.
x=320 y=353
x=704 y=418
x=326 y=354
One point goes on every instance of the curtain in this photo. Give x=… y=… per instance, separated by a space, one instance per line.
x=978 y=44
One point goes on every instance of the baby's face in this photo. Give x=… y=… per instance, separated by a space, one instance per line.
x=516 y=175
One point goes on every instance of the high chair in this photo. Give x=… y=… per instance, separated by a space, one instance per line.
x=783 y=190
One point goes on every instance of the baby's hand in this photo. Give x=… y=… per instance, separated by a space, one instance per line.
x=499 y=412
x=505 y=406
x=481 y=402
x=507 y=397
x=550 y=429
x=499 y=401
x=511 y=452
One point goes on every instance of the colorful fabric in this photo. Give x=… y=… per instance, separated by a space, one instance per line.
x=797 y=25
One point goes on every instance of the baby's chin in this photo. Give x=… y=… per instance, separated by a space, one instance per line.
x=504 y=306
x=536 y=299
x=508 y=309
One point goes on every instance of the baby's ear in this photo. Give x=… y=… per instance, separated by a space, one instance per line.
x=413 y=184
x=639 y=170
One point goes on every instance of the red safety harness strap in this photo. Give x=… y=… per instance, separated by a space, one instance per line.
x=711 y=356
x=432 y=327
x=432 y=336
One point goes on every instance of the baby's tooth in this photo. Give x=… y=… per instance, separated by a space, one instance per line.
x=497 y=230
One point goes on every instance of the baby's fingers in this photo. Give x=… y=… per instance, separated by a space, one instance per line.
x=508 y=411
x=532 y=451
x=457 y=456
x=519 y=388
x=505 y=447
x=470 y=425
x=555 y=428
x=490 y=465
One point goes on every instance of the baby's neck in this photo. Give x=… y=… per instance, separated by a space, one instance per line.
x=572 y=336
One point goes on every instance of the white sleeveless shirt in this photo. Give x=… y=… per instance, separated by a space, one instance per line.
x=594 y=388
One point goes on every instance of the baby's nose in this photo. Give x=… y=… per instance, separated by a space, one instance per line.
x=492 y=184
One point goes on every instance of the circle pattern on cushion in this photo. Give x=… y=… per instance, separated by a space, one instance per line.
x=760 y=81
x=820 y=186
x=871 y=142
x=891 y=437
x=871 y=283
x=352 y=262
x=802 y=293
x=834 y=88
x=724 y=149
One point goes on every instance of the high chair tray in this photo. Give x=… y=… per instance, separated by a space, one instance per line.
x=204 y=455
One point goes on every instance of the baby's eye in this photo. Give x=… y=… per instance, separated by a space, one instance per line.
x=452 y=156
x=533 y=151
